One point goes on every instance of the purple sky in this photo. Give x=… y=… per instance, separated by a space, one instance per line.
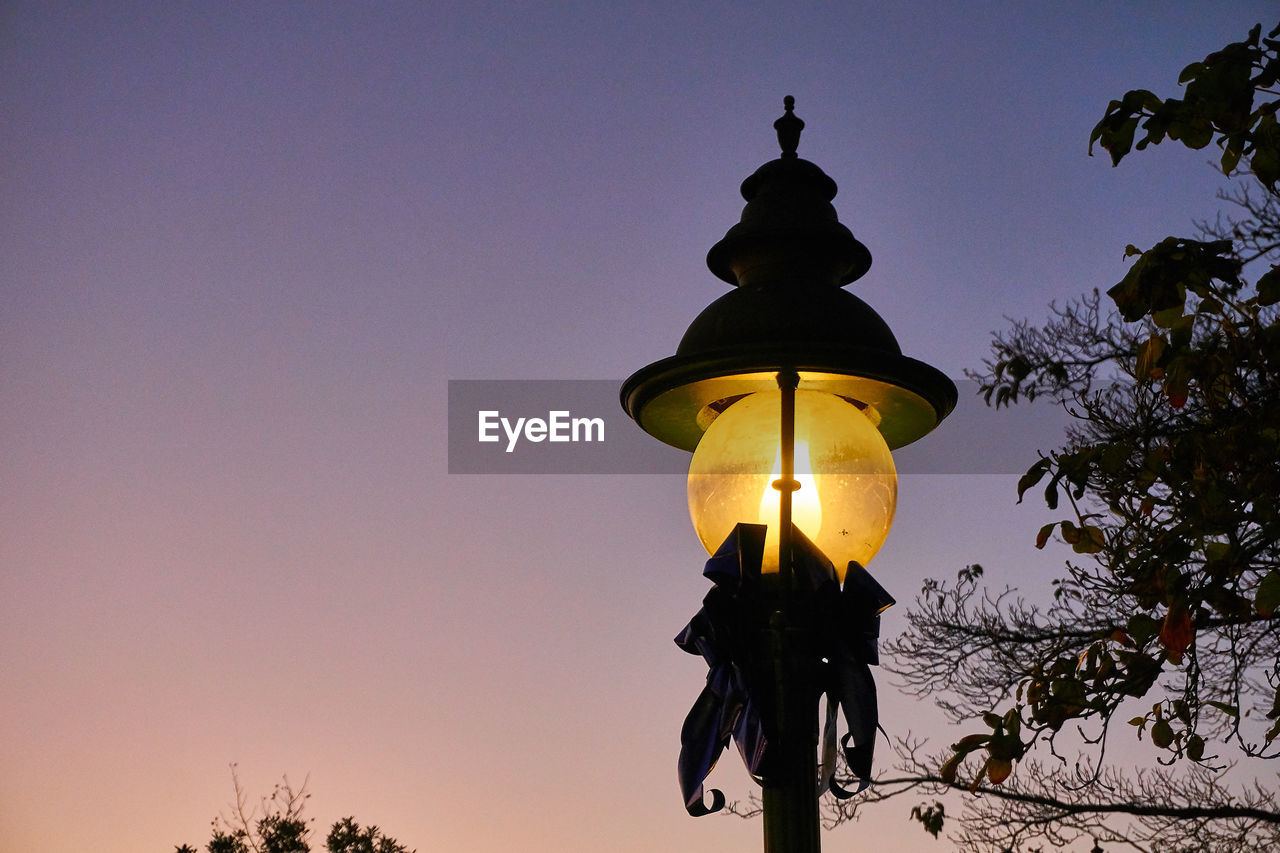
x=244 y=247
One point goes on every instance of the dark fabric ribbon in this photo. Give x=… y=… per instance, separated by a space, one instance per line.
x=843 y=627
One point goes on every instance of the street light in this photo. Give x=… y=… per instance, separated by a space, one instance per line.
x=790 y=392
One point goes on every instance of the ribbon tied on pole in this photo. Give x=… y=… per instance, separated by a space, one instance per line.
x=840 y=626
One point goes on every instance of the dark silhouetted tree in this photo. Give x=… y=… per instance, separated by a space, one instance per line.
x=1164 y=624
x=277 y=825
x=347 y=836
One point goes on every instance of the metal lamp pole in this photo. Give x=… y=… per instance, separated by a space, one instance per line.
x=790 y=799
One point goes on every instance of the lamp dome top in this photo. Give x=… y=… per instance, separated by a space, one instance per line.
x=789 y=222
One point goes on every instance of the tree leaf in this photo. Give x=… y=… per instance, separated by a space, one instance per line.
x=1231 y=711
x=1268 y=287
x=949 y=768
x=1267 y=599
x=1034 y=475
x=1042 y=537
x=1149 y=354
x=932 y=817
x=1216 y=552
x=1177 y=632
x=1090 y=540
x=1142 y=627
x=1192 y=71
x=1230 y=157
x=977 y=779
x=998 y=769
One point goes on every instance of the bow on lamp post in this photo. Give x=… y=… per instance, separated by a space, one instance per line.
x=791 y=393
x=839 y=647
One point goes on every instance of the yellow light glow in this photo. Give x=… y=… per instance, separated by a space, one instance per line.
x=848 y=485
x=806 y=504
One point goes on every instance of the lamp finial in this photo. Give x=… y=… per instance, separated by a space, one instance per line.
x=789 y=127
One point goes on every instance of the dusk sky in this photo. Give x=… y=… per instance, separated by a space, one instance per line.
x=245 y=246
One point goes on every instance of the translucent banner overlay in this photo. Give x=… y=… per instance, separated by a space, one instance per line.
x=577 y=426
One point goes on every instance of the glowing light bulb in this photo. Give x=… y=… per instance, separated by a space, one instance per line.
x=806 y=503
x=848 y=486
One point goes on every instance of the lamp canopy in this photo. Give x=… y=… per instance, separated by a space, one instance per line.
x=788 y=259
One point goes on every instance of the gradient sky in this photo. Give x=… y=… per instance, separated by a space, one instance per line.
x=244 y=247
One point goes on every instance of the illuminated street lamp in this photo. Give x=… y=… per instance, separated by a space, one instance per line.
x=790 y=392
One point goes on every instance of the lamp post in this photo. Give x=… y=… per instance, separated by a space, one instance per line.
x=790 y=392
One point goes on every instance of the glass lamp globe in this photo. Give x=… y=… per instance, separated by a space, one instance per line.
x=848 y=484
